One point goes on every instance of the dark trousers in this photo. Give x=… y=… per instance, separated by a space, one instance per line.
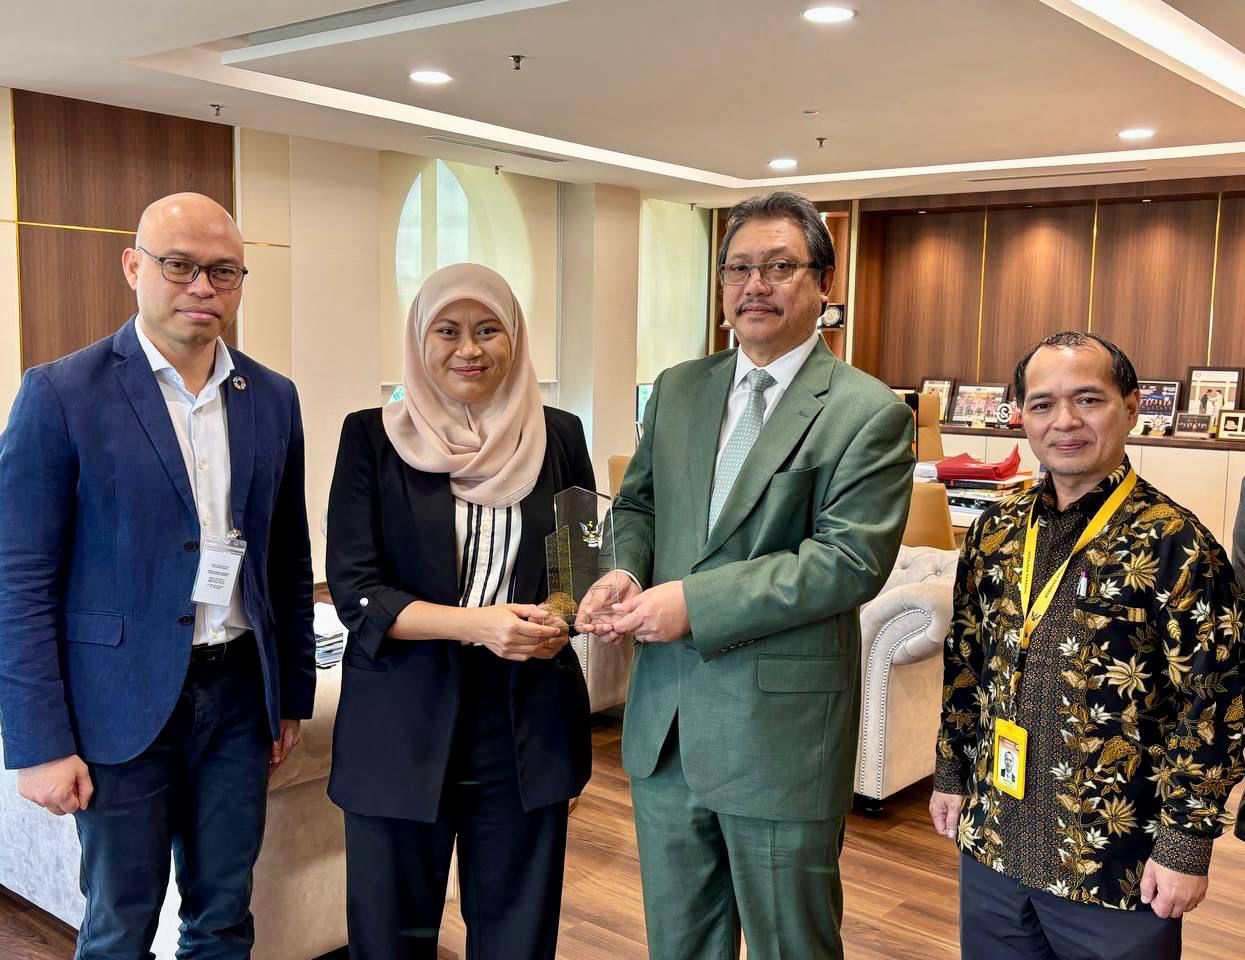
x=197 y=795
x=510 y=862
x=1001 y=919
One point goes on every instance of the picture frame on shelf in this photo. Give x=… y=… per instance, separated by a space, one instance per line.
x=944 y=389
x=1231 y=425
x=1157 y=408
x=978 y=402
x=1193 y=426
x=1212 y=389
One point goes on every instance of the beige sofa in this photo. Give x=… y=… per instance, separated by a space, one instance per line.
x=299 y=900
x=902 y=634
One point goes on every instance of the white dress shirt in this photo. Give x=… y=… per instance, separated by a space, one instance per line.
x=203 y=435
x=487 y=542
x=783 y=370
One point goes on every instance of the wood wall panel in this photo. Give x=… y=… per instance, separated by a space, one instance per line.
x=1227 y=343
x=931 y=294
x=1037 y=281
x=1085 y=193
x=73 y=290
x=867 y=309
x=93 y=165
x=1152 y=282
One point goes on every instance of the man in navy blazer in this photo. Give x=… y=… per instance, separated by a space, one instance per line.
x=144 y=689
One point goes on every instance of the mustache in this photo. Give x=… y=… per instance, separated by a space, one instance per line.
x=772 y=308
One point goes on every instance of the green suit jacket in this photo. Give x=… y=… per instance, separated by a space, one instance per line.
x=766 y=686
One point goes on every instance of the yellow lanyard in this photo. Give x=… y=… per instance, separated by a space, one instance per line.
x=1034 y=614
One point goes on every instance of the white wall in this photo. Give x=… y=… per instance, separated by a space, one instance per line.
x=673 y=286
x=600 y=260
x=334 y=300
x=10 y=330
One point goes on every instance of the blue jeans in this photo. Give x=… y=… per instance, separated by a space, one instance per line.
x=197 y=795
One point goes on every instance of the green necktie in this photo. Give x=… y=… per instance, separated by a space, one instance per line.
x=740 y=442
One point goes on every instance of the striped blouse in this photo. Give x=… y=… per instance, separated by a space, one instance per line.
x=487 y=545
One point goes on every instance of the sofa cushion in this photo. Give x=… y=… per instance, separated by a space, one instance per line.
x=314 y=755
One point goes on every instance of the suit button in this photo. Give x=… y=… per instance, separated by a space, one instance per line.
x=186 y=620
x=191 y=546
x=363 y=601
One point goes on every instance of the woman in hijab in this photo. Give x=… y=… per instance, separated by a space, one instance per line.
x=463 y=713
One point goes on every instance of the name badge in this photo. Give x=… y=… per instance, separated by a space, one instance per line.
x=1011 y=744
x=220 y=559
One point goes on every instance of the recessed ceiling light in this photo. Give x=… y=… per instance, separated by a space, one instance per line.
x=828 y=14
x=783 y=163
x=430 y=76
x=1146 y=200
x=920 y=211
x=1136 y=133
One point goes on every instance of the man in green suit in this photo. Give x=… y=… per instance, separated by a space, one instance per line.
x=764 y=505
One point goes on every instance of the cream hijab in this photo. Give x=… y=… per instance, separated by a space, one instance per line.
x=493 y=452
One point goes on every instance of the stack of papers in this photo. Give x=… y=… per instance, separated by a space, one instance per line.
x=330 y=636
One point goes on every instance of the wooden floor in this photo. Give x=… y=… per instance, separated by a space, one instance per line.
x=899 y=886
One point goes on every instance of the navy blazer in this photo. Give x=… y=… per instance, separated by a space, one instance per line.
x=391 y=541
x=99 y=548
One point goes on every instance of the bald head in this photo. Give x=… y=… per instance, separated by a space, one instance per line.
x=187 y=209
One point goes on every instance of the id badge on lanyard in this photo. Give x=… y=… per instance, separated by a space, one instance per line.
x=220 y=560
x=1011 y=740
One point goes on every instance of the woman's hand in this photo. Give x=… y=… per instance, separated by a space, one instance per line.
x=518 y=631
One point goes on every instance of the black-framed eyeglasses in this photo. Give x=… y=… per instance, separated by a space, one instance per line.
x=222 y=276
x=774 y=272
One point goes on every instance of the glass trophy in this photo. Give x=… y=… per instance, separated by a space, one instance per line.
x=579 y=552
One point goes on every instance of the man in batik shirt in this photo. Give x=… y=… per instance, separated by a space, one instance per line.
x=1097 y=643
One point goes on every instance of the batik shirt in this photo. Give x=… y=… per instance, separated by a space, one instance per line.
x=1130 y=690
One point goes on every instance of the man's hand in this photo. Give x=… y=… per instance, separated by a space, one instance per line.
x=291 y=733
x=944 y=810
x=658 y=615
x=1171 y=894
x=596 y=612
x=60 y=787
x=517 y=631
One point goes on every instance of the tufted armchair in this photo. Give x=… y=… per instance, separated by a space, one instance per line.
x=902 y=632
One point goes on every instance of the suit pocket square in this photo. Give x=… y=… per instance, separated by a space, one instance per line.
x=801 y=674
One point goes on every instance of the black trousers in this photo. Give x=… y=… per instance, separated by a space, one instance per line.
x=510 y=862
x=1001 y=919
x=198 y=794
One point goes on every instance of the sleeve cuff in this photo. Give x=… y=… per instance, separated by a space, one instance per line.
x=381 y=608
x=949 y=777
x=634 y=579
x=1182 y=851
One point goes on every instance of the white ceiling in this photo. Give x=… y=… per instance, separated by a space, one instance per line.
x=685 y=99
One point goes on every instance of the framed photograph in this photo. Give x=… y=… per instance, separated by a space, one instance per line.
x=1231 y=425
x=943 y=389
x=978 y=402
x=1157 y=407
x=1212 y=389
x=642 y=392
x=1193 y=425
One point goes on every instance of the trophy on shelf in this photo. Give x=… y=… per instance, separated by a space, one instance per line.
x=579 y=552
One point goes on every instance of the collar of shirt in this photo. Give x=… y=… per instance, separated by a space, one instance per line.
x=1088 y=503
x=784 y=368
x=161 y=367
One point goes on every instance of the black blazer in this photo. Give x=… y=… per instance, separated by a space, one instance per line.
x=391 y=542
